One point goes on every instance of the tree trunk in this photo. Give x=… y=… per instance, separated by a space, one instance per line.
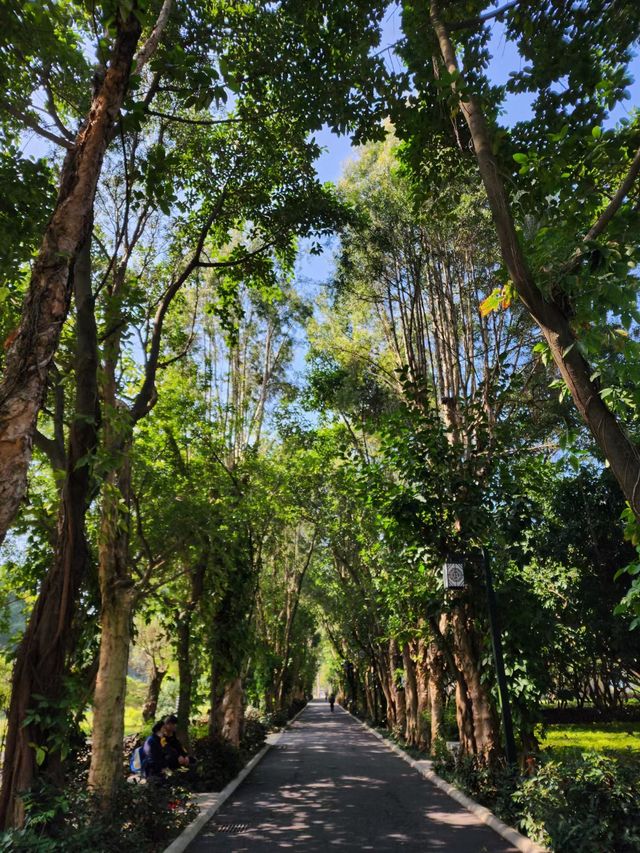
x=370 y=697
x=435 y=665
x=411 y=698
x=118 y=598
x=422 y=688
x=232 y=712
x=384 y=679
x=396 y=689
x=183 y=623
x=464 y=717
x=215 y=701
x=185 y=679
x=616 y=446
x=42 y=656
x=47 y=302
x=109 y=697
x=474 y=694
x=153 y=693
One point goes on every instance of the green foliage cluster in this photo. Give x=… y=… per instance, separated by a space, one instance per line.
x=144 y=817
x=218 y=763
x=586 y=802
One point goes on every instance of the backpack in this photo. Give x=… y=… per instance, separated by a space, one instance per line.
x=137 y=760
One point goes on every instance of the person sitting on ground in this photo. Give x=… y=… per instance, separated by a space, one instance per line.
x=157 y=758
x=172 y=742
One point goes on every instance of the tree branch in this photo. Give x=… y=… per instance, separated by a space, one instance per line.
x=149 y=47
x=481 y=19
x=614 y=205
x=51 y=109
x=183 y=120
x=146 y=397
x=237 y=261
x=33 y=124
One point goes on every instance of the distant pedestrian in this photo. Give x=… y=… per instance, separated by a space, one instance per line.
x=332 y=699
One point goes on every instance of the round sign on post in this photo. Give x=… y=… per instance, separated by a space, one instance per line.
x=453 y=572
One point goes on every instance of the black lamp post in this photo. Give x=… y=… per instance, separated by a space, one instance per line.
x=454 y=579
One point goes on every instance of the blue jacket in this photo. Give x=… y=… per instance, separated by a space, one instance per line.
x=157 y=757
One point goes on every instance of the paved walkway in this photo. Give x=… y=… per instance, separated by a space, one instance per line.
x=328 y=784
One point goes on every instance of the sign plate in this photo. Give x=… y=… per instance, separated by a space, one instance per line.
x=453 y=573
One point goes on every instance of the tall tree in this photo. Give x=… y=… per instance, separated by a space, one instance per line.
x=33 y=343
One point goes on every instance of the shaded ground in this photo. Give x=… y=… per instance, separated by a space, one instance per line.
x=330 y=783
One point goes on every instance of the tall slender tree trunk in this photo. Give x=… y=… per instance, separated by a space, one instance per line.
x=184 y=622
x=231 y=712
x=474 y=693
x=370 y=697
x=47 y=302
x=384 y=680
x=422 y=689
x=411 y=698
x=215 y=698
x=153 y=693
x=614 y=442
x=397 y=691
x=185 y=678
x=109 y=696
x=435 y=667
x=118 y=598
x=42 y=656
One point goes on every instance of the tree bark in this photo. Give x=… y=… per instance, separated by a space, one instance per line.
x=422 y=689
x=109 y=697
x=232 y=711
x=153 y=693
x=435 y=665
x=42 y=656
x=118 y=598
x=47 y=302
x=185 y=678
x=397 y=691
x=474 y=694
x=616 y=446
x=412 y=722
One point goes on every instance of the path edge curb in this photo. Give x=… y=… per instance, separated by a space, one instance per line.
x=524 y=844
x=211 y=803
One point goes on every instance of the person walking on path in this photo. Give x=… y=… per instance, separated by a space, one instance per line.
x=332 y=699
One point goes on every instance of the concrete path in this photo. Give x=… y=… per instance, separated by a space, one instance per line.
x=328 y=784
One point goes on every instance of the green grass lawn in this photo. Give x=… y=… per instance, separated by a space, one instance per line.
x=602 y=737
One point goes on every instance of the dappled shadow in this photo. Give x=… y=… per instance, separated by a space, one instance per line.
x=330 y=783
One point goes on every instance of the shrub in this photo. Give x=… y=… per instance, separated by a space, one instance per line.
x=218 y=763
x=143 y=817
x=586 y=804
x=253 y=736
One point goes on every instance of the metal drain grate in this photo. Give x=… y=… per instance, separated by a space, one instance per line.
x=232 y=828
